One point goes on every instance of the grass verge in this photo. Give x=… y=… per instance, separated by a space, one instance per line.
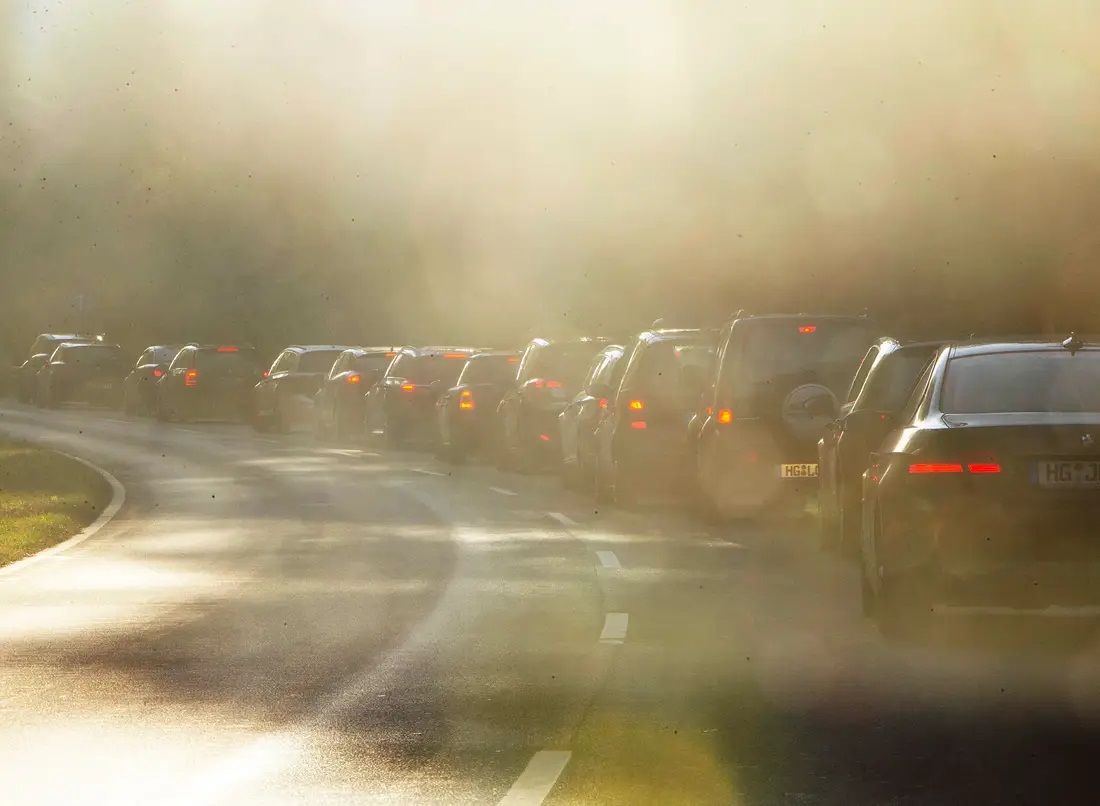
x=44 y=498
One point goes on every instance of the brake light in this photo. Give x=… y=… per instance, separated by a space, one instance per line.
x=455 y=355
x=157 y=373
x=553 y=384
x=636 y=405
x=466 y=399
x=544 y=437
x=807 y=329
x=933 y=467
x=228 y=350
x=265 y=373
x=984 y=467
x=390 y=355
x=408 y=387
x=725 y=416
x=513 y=359
x=354 y=379
x=639 y=424
x=603 y=402
x=191 y=377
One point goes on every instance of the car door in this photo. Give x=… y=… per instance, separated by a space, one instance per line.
x=267 y=390
x=171 y=386
x=326 y=396
x=828 y=445
x=571 y=416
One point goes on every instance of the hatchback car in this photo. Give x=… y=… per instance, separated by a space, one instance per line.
x=87 y=373
x=208 y=382
x=283 y=399
x=466 y=413
x=339 y=405
x=139 y=393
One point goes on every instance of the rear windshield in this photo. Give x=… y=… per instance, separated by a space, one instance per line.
x=317 y=360
x=242 y=362
x=164 y=355
x=892 y=381
x=665 y=368
x=567 y=363
x=428 y=368
x=1031 y=381
x=93 y=356
x=47 y=344
x=794 y=351
x=489 y=369
x=371 y=361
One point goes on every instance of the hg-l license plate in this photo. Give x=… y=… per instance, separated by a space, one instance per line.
x=798 y=471
x=1069 y=474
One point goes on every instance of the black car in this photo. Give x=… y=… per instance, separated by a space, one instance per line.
x=339 y=404
x=577 y=423
x=641 y=440
x=24 y=376
x=466 y=413
x=283 y=398
x=401 y=406
x=86 y=373
x=775 y=386
x=878 y=392
x=139 y=392
x=986 y=494
x=208 y=382
x=550 y=373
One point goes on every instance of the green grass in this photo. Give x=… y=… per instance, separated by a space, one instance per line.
x=44 y=498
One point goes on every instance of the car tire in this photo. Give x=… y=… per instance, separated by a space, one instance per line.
x=278 y=419
x=868 y=600
x=848 y=528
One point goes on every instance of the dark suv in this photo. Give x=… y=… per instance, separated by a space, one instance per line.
x=775 y=388
x=87 y=373
x=879 y=391
x=283 y=399
x=24 y=376
x=208 y=382
x=139 y=393
x=338 y=407
x=641 y=440
x=466 y=413
x=401 y=406
x=550 y=373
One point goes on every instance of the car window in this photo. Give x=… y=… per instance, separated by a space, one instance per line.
x=918 y=394
x=94 y=356
x=285 y=362
x=341 y=364
x=890 y=384
x=317 y=360
x=488 y=369
x=239 y=362
x=144 y=358
x=861 y=374
x=598 y=363
x=605 y=374
x=371 y=362
x=565 y=362
x=431 y=367
x=670 y=370
x=181 y=359
x=1032 y=381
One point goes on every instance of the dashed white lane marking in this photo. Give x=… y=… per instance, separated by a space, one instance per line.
x=268 y=441
x=371 y=454
x=614 y=628
x=536 y=781
x=503 y=491
x=118 y=498
x=426 y=472
x=564 y=520
x=608 y=559
x=347 y=451
x=189 y=430
x=116 y=420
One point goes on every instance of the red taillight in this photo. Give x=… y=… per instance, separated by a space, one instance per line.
x=553 y=384
x=265 y=373
x=936 y=467
x=228 y=350
x=157 y=373
x=636 y=405
x=354 y=379
x=466 y=399
x=984 y=467
x=807 y=329
x=191 y=377
x=455 y=355
x=725 y=416
x=512 y=359
x=544 y=437
x=390 y=355
x=639 y=424
x=603 y=402
x=408 y=387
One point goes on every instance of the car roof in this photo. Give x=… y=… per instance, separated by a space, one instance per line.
x=309 y=348
x=670 y=334
x=74 y=345
x=495 y=354
x=817 y=317
x=372 y=350
x=1024 y=345
x=217 y=345
x=64 y=336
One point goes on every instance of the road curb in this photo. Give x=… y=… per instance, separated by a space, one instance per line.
x=118 y=498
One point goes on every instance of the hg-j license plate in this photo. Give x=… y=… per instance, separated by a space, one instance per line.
x=797 y=471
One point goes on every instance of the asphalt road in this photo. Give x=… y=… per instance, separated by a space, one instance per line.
x=272 y=621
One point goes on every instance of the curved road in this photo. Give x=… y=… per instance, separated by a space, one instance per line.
x=272 y=621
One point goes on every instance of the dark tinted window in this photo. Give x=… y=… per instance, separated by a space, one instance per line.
x=662 y=368
x=242 y=362
x=1039 y=381
x=489 y=369
x=565 y=362
x=890 y=385
x=428 y=368
x=47 y=344
x=163 y=355
x=92 y=356
x=371 y=361
x=317 y=360
x=861 y=374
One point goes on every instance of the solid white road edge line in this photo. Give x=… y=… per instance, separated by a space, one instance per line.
x=426 y=472
x=539 y=777
x=608 y=559
x=564 y=520
x=118 y=498
x=503 y=491
x=614 y=628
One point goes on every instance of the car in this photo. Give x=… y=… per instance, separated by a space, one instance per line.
x=984 y=496
x=466 y=413
x=878 y=392
x=641 y=439
x=23 y=380
x=283 y=398
x=550 y=373
x=774 y=388
x=139 y=390
x=577 y=422
x=88 y=373
x=339 y=404
x=401 y=407
x=208 y=382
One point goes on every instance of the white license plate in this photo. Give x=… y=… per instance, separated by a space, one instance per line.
x=798 y=471
x=1069 y=474
x=101 y=386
